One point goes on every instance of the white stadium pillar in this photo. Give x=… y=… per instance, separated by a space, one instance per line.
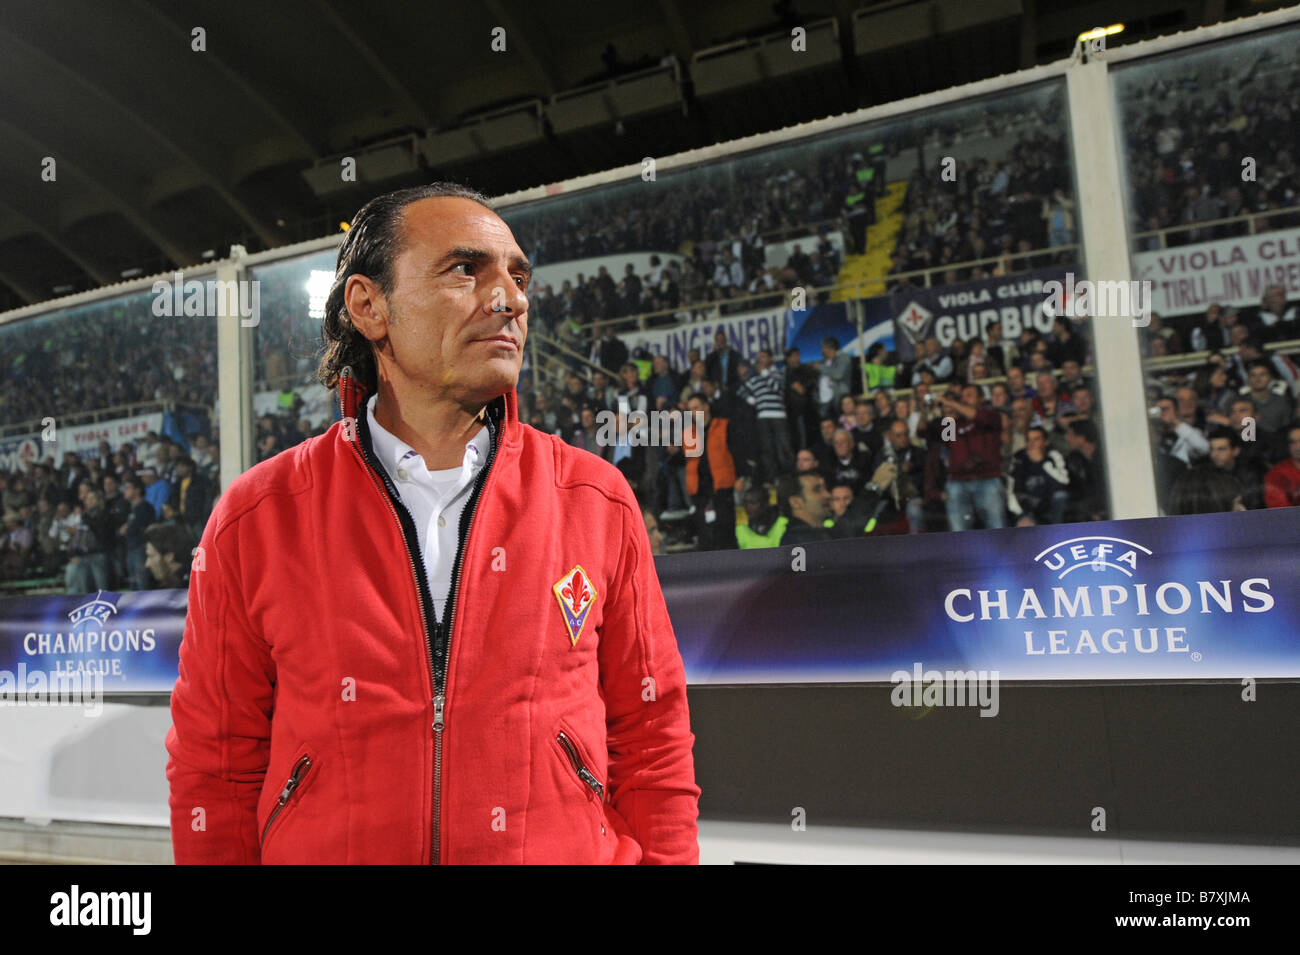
x=1126 y=444
x=234 y=376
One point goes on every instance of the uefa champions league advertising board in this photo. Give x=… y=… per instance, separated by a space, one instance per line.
x=130 y=641
x=1206 y=597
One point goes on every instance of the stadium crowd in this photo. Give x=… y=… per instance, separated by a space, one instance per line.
x=985 y=432
x=111 y=520
x=1213 y=144
x=1001 y=207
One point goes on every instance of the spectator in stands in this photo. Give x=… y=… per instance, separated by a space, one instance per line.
x=840 y=500
x=835 y=377
x=765 y=393
x=1000 y=398
x=765 y=525
x=1065 y=344
x=607 y=349
x=879 y=373
x=44 y=555
x=1283 y=368
x=1087 y=472
x=1225 y=454
x=1211 y=333
x=848 y=466
x=723 y=363
x=664 y=386
x=805 y=501
x=168 y=550
x=694 y=382
x=90 y=548
x=1261 y=449
x=1179 y=446
x=1003 y=354
x=1215 y=390
x=1205 y=491
x=712 y=475
x=904 y=493
x=1282 y=482
x=1277 y=318
x=974 y=482
x=1273 y=404
x=15 y=545
x=867 y=436
x=932 y=358
x=193 y=496
x=132 y=532
x=805 y=462
x=800 y=398
x=1039 y=480
x=205 y=456
x=1016 y=386
x=848 y=415
x=604 y=393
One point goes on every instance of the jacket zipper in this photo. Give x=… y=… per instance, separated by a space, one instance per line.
x=443 y=658
x=295 y=778
x=439 y=648
x=586 y=775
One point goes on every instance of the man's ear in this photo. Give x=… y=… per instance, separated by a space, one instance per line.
x=367 y=307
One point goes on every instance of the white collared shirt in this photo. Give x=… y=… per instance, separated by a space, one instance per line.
x=435 y=499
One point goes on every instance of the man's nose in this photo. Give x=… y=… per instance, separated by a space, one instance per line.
x=507 y=297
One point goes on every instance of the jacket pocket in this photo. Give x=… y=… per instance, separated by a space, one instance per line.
x=580 y=770
x=304 y=769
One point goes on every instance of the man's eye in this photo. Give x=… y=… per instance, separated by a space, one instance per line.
x=464 y=265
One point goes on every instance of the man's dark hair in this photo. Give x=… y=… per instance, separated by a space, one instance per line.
x=1039 y=428
x=788 y=486
x=832 y=341
x=370 y=248
x=1228 y=434
x=792 y=351
x=170 y=539
x=1260 y=363
x=1086 y=430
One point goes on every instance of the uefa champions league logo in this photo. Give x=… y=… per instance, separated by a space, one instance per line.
x=1095 y=553
x=97 y=609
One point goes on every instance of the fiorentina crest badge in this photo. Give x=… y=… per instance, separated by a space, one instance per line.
x=577 y=596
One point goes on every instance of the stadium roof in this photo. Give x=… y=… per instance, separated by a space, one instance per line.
x=176 y=131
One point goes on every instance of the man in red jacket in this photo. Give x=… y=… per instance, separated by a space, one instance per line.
x=971 y=431
x=431 y=634
x=1282 y=482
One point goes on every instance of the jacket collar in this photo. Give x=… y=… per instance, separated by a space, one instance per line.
x=503 y=411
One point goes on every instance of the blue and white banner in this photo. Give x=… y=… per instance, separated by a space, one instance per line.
x=20 y=452
x=1213 y=596
x=747 y=333
x=1206 y=597
x=132 y=639
x=967 y=309
x=808 y=328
